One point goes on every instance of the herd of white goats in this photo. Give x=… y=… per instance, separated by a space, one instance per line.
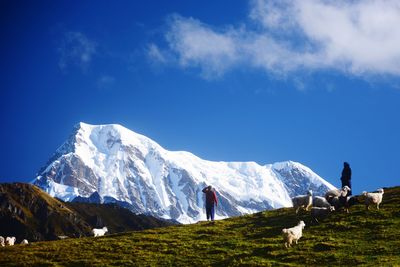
x=321 y=206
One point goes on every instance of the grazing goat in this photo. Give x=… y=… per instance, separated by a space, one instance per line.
x=337 y=192
x=2 y=241
x=373 y=198
x=320 y=212
x=303 y=201
x=24 y=242
x=10 y=241
x=293 y=234
x=99 y=232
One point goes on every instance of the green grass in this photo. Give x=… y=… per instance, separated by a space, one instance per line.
x=358 y=238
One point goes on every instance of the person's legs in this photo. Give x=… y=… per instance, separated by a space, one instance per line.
x=212 y=212
x=208 y=211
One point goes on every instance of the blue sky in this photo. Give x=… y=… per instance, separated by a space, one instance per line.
x=310 y=81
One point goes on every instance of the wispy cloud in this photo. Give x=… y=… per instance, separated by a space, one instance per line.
x=155 y=55
x=76 y=50
x=196 y=44
x=354 y=37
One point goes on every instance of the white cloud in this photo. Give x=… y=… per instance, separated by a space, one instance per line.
x=269 y=14
x=76 y=50
x=362 y=36
x=355 y=37
x=198 y=45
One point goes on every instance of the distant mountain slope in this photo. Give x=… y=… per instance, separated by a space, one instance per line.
x=116 y=218
x=133 y=170
x=360 y=238
x=28 y=212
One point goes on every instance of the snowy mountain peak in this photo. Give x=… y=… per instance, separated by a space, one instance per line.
x=131 y=169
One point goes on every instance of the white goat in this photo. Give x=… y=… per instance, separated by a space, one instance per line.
x=2 y=241
x=337 y=192
x=10 y=241
x=293 y=234
x=373 y=198
x=99 y=232
x=321 y=212
x=303 y=201
x=24 y=242
x=320 y=202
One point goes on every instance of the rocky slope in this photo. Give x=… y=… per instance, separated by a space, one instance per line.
x=27 y=212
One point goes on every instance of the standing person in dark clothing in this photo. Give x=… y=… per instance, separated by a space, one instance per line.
x=211 y=202
x=346 y=176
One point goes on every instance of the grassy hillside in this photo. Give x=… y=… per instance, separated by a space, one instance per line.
x=359 y=238
x=28 y=212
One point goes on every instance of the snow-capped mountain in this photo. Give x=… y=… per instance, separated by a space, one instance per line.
x=113 y=164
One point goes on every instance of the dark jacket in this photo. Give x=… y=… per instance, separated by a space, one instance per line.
x=346 y=173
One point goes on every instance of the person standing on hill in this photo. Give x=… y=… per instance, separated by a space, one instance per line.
x=211 y=202
x=346 y=176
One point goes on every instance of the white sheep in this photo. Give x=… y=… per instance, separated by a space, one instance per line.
x=320 y=202
x=99 y=232
x=321 y=212
x=24 y=242
x=2 y=241
x=293 y=234
x=303 y=201
x=373 y=198
x=337 y=192
x=10 y=241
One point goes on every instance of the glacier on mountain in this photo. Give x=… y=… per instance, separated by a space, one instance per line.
x=125 y=167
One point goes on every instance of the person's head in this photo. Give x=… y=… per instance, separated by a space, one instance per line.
x=209 y=187
x=346 y=164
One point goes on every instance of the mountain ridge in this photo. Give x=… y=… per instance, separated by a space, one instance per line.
x=129 y=167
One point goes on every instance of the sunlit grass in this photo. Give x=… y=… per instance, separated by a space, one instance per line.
x=359 y=238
